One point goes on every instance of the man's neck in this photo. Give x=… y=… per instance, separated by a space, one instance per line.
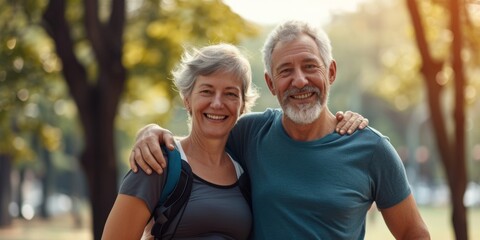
x=322 y=126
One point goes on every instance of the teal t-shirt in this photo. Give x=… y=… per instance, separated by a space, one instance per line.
x=318 y=189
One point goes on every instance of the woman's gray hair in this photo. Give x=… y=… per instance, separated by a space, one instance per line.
x=289 y=31
x=208 y=60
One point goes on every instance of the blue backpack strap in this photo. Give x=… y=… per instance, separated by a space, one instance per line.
x=174 y=166
x=175 y=195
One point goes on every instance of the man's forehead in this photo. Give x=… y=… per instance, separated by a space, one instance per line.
x=296 y=56
x=302 y=44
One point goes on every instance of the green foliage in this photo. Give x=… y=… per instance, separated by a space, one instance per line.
x=379 y=69
x=386 y=61
x=34 y=100
x=25 y=78
x=156 y=34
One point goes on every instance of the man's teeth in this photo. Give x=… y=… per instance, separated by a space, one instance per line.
x=216 y=117
x=302 y=96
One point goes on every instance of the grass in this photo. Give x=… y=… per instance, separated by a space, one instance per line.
x=436 y=218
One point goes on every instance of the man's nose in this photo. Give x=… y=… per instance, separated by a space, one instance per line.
x=299 y=79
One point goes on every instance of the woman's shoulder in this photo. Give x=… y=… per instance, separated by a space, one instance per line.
x=144 y=186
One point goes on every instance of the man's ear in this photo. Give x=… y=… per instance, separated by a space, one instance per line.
x=269 y=82
x=332 y=72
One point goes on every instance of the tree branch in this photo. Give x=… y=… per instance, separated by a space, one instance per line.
x=56 y=26
x=95 y=30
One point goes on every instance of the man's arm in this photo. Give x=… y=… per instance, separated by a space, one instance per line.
x=404 y=220
x=148 y=155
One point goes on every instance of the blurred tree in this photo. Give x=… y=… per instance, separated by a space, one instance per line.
x=21 y=80
x=96 y=100
x=5 y=190
x=463 y=39
x=359 y=41
x=95 y=59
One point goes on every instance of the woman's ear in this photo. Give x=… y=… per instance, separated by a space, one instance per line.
x=186 y=103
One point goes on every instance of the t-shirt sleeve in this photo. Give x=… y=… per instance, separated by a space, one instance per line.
x=236 y=139
x=389 y=176
x=245 y=130
x=143 y=186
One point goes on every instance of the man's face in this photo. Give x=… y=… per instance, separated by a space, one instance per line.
x=300 y=80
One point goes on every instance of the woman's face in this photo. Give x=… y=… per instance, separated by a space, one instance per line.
x=215 y=104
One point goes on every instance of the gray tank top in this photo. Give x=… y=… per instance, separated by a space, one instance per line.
x=212 y=212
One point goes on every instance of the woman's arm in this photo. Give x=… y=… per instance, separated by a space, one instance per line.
x=127 y=219
x=349 y=122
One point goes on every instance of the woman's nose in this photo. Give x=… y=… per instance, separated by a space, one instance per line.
x=217 y=101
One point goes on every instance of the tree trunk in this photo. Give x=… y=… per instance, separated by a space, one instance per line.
x=5 y=189
x=47 y=182
x=46 y=175
x=451 y=148
x=459 y=181
x=97 y=103
x=98 y=161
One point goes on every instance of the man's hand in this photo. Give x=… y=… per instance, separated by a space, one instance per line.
x=349 y=122
x=147 y=152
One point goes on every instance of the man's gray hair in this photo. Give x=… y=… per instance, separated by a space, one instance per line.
x=289 y=31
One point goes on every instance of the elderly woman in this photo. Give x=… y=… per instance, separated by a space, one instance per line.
x=216 y=87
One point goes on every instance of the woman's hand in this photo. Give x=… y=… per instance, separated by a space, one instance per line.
x=349 y=122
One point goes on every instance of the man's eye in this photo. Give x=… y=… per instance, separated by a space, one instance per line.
x=311 y=68
x=285 y=71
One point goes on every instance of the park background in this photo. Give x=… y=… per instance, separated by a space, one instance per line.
x=78 y=78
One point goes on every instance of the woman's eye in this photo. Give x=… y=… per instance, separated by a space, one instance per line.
x=231 y=94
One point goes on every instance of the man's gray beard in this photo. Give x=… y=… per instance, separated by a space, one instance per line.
x=303 y=114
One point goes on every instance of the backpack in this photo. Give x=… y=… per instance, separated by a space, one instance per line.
x=176 y=192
